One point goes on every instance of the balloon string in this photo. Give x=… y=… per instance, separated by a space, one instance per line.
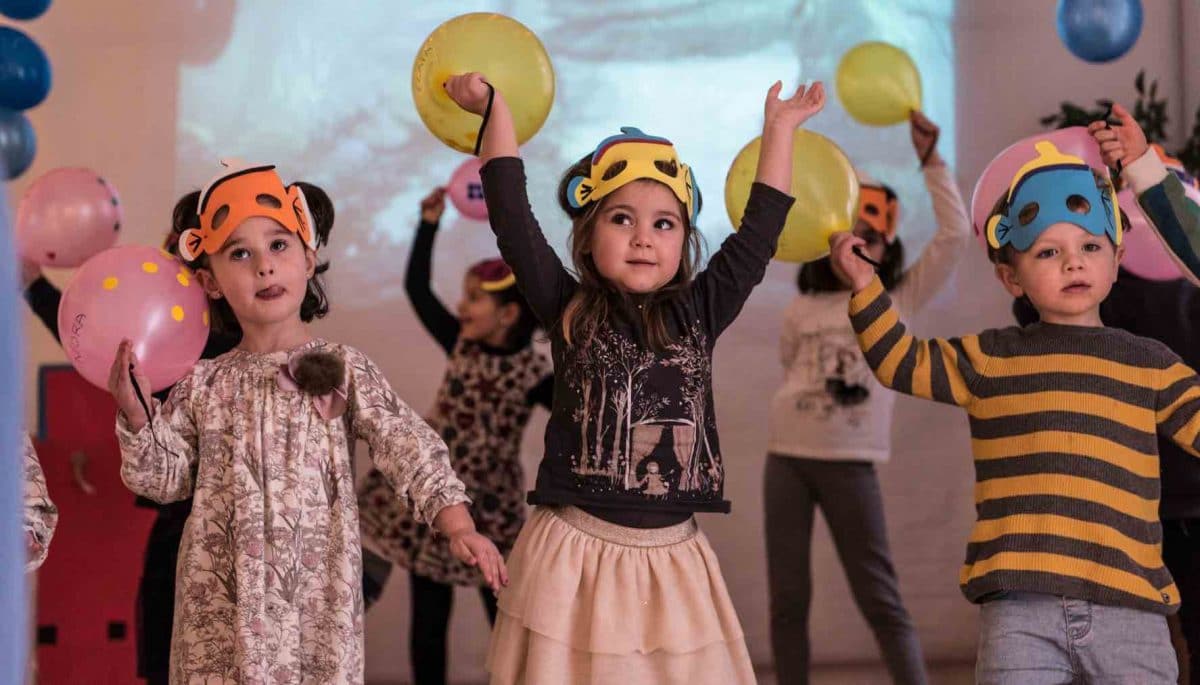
x=137 y=390
x=861 y=255
x=1107 y=114
x=487 y=113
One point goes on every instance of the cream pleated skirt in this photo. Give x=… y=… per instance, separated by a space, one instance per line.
x=593 y=603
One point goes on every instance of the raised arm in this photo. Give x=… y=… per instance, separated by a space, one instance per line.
x=418 y=278
x=942 y=370
x=740 y=264
x=937 y=262
x=546 y=285
x=42 y=296
x=40 y=515
x=1159 y=192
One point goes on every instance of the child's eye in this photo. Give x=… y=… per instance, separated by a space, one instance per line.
x=664 y=224
x=278 y=245
x=1091 y=247
x=622 y=219
x=238 y=254
x=1047 y=253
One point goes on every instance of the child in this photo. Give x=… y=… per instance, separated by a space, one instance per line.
x=493 y=379
x=1065 y=552
x=612 y=580
x=1169 y=312
x=156 y=587
x=831 y=422
x=41 y=516
x=269 y=567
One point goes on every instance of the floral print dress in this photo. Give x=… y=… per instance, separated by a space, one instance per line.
x=269 y=570
x=40 y=516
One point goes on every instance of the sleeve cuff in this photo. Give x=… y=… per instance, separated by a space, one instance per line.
x=434 y=505
x=863 y=298
x=1145 y=173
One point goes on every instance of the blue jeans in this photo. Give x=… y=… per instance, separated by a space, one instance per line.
x=1039 y=639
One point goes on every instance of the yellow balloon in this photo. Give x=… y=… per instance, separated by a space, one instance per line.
x=823 y=183
x=878 y=84
x=507 y=53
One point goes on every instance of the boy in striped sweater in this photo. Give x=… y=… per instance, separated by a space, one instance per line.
x=1065 y=555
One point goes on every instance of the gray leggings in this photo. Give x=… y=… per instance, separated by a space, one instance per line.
x=848 y=494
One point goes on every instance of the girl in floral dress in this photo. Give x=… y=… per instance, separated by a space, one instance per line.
x=270 y=565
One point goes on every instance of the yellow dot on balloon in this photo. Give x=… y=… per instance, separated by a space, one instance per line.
x=182 y=277
x=177 y=313
x=150 y=267
x=110 y=283
x=204 y=317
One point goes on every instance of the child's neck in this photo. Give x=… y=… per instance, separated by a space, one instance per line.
x=1090 y=318
x=274 y=337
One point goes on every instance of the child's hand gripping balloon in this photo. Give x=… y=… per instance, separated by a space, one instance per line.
x=842 y=253
x=120 y=384
x=925 y=135
x=432 y=206
x=1122 y=144
x=469 y=91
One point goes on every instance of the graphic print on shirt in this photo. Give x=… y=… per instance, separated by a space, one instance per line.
x=838 y=375
x=641 y=417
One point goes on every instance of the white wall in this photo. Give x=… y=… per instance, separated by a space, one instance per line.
x=113 y=108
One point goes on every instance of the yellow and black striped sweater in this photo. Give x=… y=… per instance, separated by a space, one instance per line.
x=1063 y=429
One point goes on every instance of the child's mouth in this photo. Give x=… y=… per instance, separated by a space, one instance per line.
x=271 y=293
x=1077 y=288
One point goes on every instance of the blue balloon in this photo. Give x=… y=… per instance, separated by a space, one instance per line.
x=1099 y=30
x=23 y=9
x=18 y=143
x=24 y=70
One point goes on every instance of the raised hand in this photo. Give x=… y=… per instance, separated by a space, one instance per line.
x=1121 y=144
x=432 y=205
x=925 y=135
x=793 y=111
x=857 y=271
x=469 y=91
x=120 y=384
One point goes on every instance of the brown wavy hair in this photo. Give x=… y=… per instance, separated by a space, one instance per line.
x=597 y=300
x=315 y=304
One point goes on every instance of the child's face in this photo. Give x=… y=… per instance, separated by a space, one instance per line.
x=637 y=241
x=1066 y=273
x=481 y=317
x=263 y=271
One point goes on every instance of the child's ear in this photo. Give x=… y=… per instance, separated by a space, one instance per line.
x=310 y=262
x=209 y=283
x=1008 y=278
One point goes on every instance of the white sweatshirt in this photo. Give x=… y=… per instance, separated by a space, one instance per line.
x=830 y=405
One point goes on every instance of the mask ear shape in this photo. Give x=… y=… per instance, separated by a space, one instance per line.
x=189 y=244
x=997 y=230
x=578 y=191
x=303 y=215
x=693 y=196
x=1112 y=209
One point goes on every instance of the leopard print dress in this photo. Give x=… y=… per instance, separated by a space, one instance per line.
x=481 y=411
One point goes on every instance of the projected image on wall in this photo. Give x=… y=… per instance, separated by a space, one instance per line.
x=327 y=98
